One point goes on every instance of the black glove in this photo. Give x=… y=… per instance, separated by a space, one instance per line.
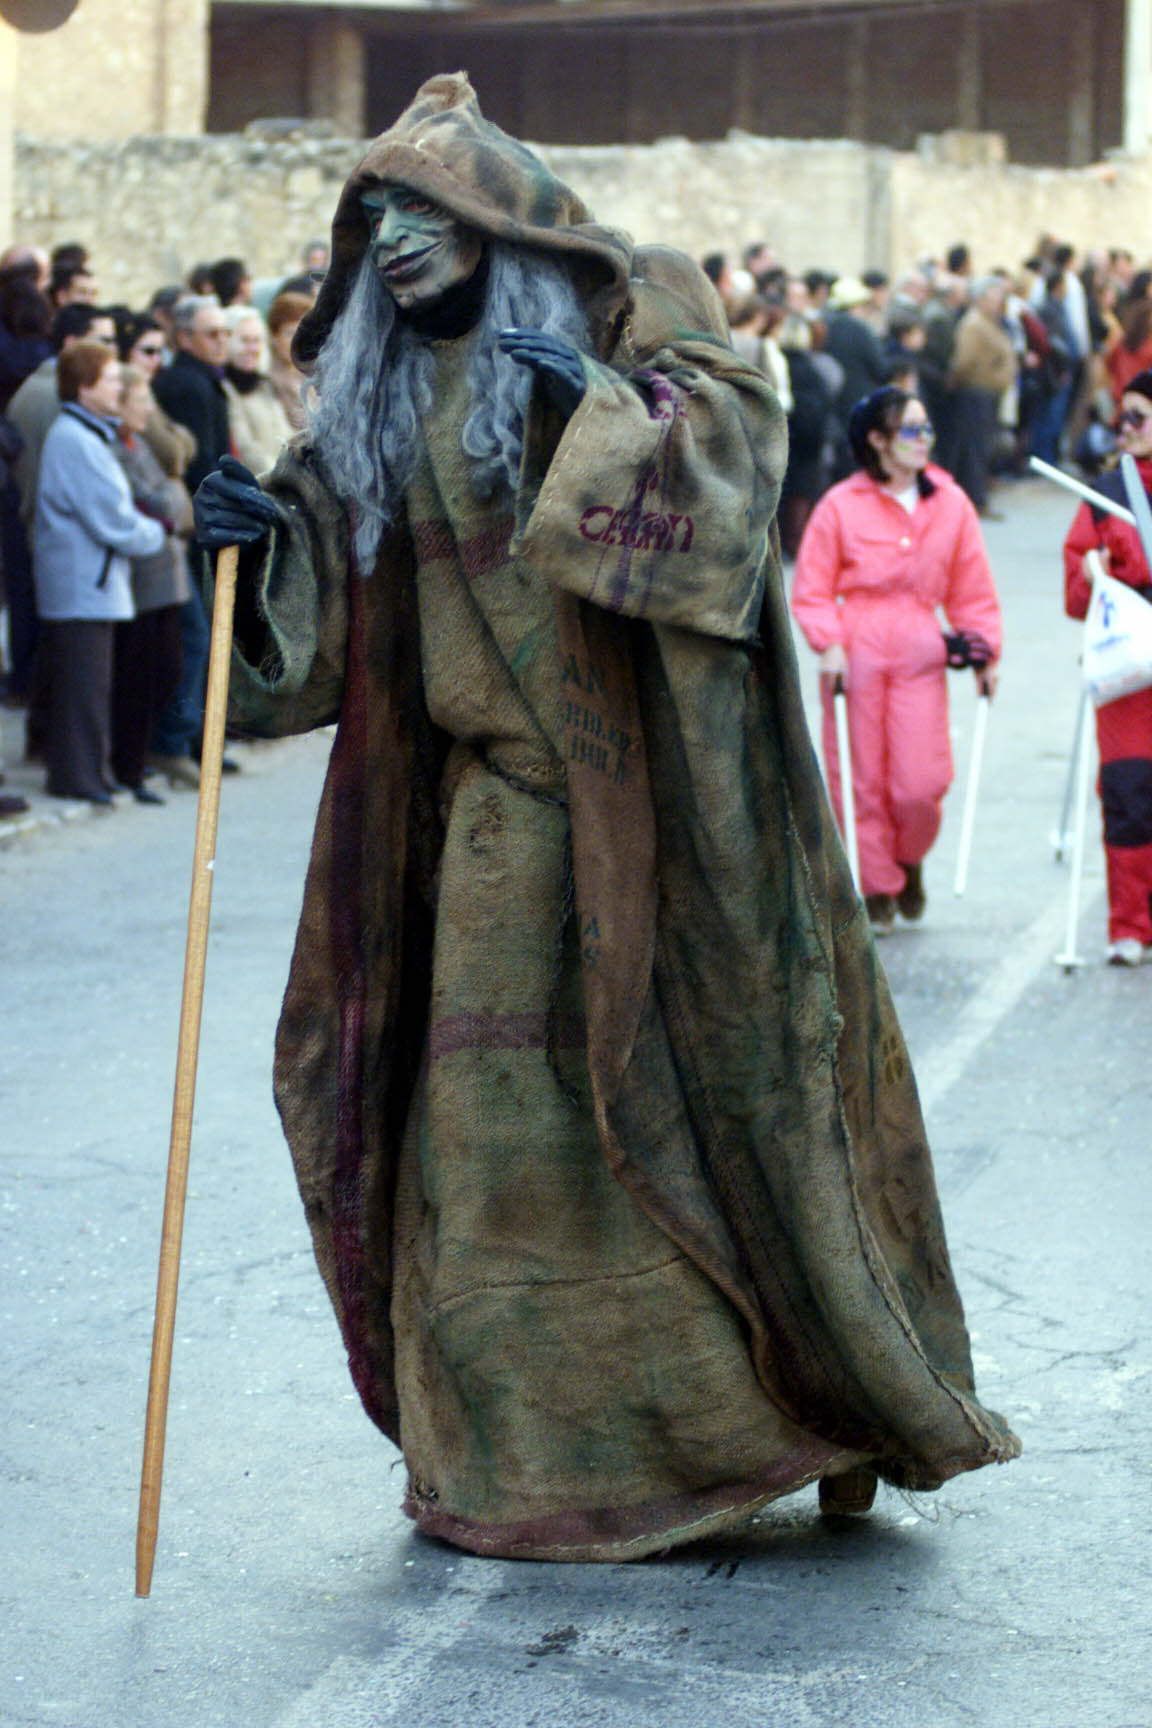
x=555 y=362
x=968 y=648
x=229 y=507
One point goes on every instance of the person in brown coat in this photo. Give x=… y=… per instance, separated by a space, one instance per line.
x=983 y=368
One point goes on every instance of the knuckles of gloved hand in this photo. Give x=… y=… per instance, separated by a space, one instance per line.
x=967 y=648
x=229 y=507
x=556 y=363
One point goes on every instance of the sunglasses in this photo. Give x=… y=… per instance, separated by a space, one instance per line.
x=910 y=434
x=1134 y=417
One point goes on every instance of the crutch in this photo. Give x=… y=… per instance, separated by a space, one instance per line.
x=1096 y=499
x=847 y=788
x=1068 y=957
x=1063 y=835
x=972 y=790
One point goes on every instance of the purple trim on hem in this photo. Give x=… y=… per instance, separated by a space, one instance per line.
x=473 y=1031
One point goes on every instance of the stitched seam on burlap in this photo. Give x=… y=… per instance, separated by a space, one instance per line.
x=555 y=471
x=678 y=1532
x=985 y=1434
x=519 y=784
x=852 y=918
x=447 y=1302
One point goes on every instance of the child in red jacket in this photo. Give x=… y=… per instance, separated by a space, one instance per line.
x=1123 y=727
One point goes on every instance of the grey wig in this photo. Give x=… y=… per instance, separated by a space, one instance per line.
x=373 y=382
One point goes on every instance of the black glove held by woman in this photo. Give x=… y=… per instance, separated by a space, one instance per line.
x=967 y=648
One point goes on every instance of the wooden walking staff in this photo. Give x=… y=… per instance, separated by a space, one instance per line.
x=847 y=783
x=199 y=913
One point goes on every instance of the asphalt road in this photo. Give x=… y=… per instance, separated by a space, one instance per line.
x=289 y=1590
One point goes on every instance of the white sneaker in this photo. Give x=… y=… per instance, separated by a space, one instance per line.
x=1127 y=952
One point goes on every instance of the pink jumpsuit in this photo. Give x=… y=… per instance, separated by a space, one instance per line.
x=870 y=576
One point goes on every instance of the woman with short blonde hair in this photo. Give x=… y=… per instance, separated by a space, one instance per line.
x=87 y=530
x=257 y=421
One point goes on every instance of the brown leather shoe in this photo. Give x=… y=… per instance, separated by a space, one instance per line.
x=849 y=1495
x=911 y=900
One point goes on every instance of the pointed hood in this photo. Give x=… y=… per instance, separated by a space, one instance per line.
x=443 y=148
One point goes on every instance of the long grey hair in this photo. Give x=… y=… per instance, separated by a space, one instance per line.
x=373 y=382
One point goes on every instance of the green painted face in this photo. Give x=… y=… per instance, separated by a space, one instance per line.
x=418 y=248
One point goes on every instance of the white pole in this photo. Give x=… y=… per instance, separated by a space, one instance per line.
x=1096 y=499
x=971 y=793
x=847 y=789
x=1062 y=835
x=1068 y=957
x=1137 y=73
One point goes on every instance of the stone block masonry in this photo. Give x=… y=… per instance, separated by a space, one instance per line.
x=117 y=67
x=151 y=207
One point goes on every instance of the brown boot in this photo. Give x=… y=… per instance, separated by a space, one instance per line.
x=911 y=900
x=848 y=1495
x=881 y=909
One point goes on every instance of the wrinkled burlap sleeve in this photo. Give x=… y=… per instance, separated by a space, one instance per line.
x=292 y=609
x=659 y=499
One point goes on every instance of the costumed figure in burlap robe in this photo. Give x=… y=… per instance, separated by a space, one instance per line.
x=600 y=1111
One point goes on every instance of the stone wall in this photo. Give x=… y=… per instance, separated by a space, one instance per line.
x=116 y=68
x=9 y=48
x=1002 y=210
x=152 y=207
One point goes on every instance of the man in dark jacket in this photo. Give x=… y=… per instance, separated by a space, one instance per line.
x=191 y=390
x=851 y=341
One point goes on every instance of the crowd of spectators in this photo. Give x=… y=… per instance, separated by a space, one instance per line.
x=110 y=416
x=1009 y=362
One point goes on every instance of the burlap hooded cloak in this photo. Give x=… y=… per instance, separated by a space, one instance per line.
x=745 y=1285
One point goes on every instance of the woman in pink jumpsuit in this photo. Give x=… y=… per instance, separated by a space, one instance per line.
x=883 y=552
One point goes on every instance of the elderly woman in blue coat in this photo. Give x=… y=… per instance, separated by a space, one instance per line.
x=87 y=530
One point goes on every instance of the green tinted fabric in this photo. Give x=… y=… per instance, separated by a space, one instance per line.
x=599 y=1105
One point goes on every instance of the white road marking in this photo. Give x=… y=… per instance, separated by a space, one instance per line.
x=354 y=1693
